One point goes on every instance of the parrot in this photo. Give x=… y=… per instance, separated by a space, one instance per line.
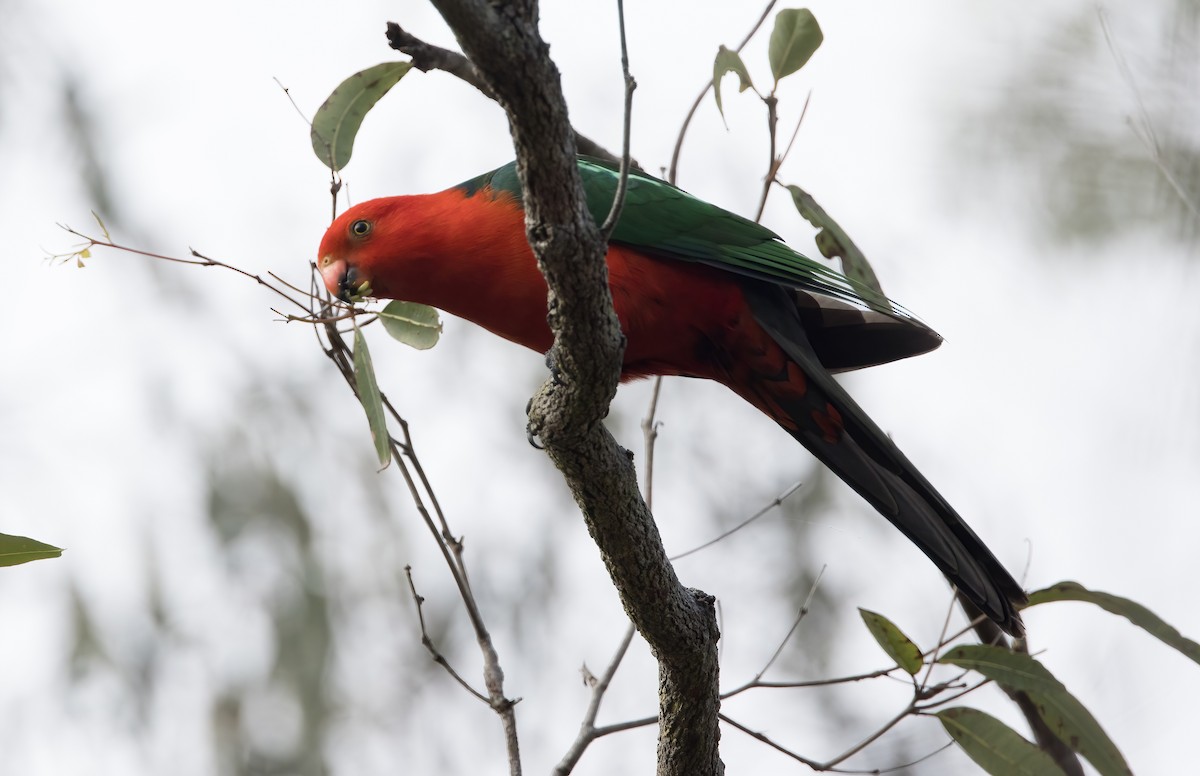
x=699 y=292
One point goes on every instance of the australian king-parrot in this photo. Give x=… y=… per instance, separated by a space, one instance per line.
x=700 y=292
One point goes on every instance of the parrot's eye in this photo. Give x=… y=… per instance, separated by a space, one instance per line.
x=360 y=228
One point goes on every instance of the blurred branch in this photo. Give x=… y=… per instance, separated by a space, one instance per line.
x=321 y=312
x=1145 y=132
x=503 y=42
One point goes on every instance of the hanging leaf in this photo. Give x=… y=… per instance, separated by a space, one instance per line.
x=1063 y=713
x=372 y=401
x=897 y=646
x=1130 y=610
x=794 y=40
x=15 y=550
x=728 y=61
x=416 y=325
x=339 y=117
x=834 y=243
x=994 y=746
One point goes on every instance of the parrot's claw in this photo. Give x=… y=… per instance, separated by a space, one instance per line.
x=531 y=437
x=530 y=431
x=556 y=375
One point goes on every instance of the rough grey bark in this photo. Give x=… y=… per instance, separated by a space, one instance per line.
x=502 y=41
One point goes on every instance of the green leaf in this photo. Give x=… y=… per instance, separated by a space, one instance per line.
x=994 y=746
x=372 y=401
x=1130 y=610
x=338 y=119
x=794 y=40
x=897 y=646
x=416 y=325
x=15 y=550
x=1065 y=715
x=834 y=243
x=729 y=62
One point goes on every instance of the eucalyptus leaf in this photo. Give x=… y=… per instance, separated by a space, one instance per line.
x=372 y=400
x=337 y=121
x=897 y=646
x=728 y=61
x=15 y=550
x=834 y=243
x=1130 y=610
x=1063 y=713
x=416 y=325
x=994 y=746
x=796 y=37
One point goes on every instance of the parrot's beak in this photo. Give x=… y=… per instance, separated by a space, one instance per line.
x=342 y=280
x=333 y=272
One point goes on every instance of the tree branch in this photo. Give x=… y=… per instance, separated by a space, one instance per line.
x=503 y=42
x=426 y=57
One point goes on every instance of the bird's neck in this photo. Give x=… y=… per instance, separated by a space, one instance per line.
x=468 y=255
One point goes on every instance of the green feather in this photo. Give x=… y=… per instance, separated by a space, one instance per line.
x=666 y=221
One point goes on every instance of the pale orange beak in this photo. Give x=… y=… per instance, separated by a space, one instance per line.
x=333 y=272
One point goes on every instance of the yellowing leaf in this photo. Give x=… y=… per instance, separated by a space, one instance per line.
x=897 y=646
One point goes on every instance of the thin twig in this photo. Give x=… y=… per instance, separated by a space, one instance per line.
x=772 y=163
x=618 y=203
x=795 y=133
x=437 y=656
x=674 y=168
x=777 y=501
x=650 y=436
x=766 y=740
x=198 y=260
x=772 y=175
x=812 y=591
x=588 y=732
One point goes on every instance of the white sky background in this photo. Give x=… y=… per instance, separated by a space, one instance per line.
x=1060 y=417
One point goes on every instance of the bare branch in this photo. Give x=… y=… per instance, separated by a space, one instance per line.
x=437 y=656
x=618 y=203
x=775 y=502
x=503 y=42
x=587 y=730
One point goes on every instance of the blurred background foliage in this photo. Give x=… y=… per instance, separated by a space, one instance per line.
x=1098 y=124
x=276 y=634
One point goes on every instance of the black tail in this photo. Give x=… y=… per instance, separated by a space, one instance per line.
x=824 y=418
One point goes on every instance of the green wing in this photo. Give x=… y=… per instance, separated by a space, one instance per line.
x=666 y=221
x=662 y=220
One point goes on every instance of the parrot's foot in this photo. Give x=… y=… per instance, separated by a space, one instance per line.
x=556 y=375
x=531 y=432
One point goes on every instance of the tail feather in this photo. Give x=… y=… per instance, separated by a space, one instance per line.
x=819 y=413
